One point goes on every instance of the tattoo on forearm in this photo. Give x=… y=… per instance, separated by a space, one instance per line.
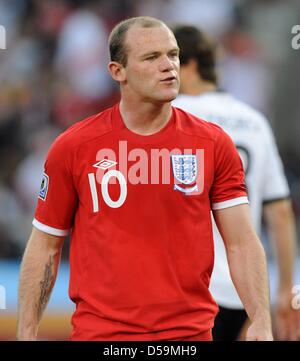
x=46 y=286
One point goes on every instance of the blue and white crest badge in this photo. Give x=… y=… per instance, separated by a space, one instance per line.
x=185 y=171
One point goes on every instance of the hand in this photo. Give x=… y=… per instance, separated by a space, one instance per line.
x=286 y=318
x=259 y=331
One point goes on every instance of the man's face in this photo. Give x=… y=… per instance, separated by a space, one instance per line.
x=152 y=70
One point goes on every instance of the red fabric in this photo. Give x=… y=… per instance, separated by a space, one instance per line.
x=204 y=336
x=140 y=271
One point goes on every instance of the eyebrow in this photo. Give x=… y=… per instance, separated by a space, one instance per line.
x=159 y=52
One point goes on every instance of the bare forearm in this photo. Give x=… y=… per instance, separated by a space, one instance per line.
x=249 y=273
x=248 y=268
x=282 y=231
x=37 y=278
x=287 y=251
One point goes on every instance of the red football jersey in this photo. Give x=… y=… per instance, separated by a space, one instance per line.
x=138 y=208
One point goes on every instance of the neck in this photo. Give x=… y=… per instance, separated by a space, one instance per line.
x=198 y=87
x=145 y=118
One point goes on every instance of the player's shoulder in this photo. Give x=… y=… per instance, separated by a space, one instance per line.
x=85 y=130
x=93 y=126
x=253 y=115
x=192 y=125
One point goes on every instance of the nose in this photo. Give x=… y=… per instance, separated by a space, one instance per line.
x=166 y=64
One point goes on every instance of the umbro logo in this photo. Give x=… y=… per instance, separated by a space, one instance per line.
x=105 y=164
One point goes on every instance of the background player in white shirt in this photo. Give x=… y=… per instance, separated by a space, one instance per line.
x=266 y=183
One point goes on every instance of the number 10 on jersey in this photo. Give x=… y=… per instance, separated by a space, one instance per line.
x=104 y=190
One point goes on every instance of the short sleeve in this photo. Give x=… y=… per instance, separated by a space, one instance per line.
x=228 y=188
x=57 y=200
x=275 y=185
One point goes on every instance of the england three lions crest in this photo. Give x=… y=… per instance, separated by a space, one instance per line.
x=188 y=171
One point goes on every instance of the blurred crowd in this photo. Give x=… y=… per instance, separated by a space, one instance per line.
x=53 y=74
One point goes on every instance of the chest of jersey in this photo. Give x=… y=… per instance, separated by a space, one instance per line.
x=119 y=173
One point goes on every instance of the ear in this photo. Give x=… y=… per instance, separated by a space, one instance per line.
x=117 y=71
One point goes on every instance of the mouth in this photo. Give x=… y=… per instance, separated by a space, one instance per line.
x=169 y=79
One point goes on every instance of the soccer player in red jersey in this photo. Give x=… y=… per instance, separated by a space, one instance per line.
x=135 y=185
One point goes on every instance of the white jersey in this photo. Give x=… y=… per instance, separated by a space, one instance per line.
x=265 y=178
